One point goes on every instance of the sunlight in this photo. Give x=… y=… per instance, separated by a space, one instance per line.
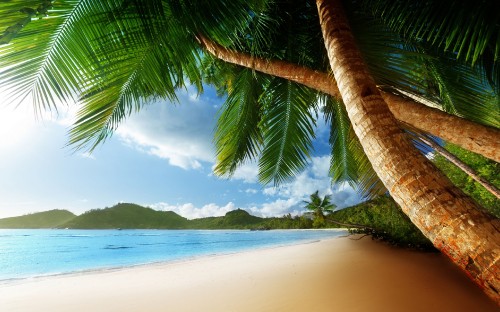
x=15 y=126
x=19 y=123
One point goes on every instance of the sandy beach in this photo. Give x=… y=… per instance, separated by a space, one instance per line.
x=338 y=274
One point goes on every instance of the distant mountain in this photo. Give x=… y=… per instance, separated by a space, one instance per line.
x=236 y=219
x=127 y=216
x=39 y=220
x=381 y=215
x=132 y=216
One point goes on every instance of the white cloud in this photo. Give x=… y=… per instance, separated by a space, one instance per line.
x=182 y=134
x=87 y=155
x=65 y=116
x=277 y=208
x=290 y=196
x=283 y=200
x=190 y=211
x=248 y=172
x=270 y=191
x=320 y=166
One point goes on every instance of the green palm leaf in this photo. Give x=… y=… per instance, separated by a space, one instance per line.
x=17 y=14
x=221 y=21
x=285 y=30
x=470 y=29
x=349 y=162
x=461 y=90
x=343 y=167
x=32 y=61
x=401 y=65
x=141 y=64
x=288 y=129
x=237 y=135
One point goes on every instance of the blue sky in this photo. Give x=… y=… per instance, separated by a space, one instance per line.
x=161 y=157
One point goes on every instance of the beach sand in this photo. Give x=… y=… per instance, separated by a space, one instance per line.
x=338 y=274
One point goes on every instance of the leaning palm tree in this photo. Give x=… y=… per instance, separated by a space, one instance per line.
x=320 y=207
x=114 y=57
x=401 y=167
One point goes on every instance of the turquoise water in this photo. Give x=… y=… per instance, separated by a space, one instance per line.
x=31 y=253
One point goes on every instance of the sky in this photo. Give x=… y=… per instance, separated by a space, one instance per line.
x=161 y=157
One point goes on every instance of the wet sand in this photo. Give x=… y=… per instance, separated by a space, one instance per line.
x=339 y=274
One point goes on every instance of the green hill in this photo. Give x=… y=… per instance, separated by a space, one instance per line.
x=39 y=220
x=132 y=216
x=236 y=219
x=381 y=217
x=127 y=216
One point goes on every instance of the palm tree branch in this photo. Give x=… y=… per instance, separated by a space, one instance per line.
x=288 y=129
x=404 y=108
x=237 y=135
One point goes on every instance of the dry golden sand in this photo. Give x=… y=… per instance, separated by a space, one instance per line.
x=332 y=275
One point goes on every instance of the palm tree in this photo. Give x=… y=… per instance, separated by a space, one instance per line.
x=117 y=56
x=470 y=135
x=401 y=167
x=430 y=142
x=320 y=207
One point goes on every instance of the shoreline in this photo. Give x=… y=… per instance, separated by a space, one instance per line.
x=337 y=273
x=336 y=232
x=21 y=280
x=111 y=268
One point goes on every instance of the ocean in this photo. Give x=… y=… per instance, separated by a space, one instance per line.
x=32 y=253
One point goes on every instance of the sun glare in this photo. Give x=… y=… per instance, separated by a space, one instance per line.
x=15 y=126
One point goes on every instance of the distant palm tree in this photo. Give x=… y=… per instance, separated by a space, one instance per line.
x=320 y=207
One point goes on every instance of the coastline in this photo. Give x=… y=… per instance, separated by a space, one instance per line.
x=163 y=263
x=338 y=274
x=41 y=253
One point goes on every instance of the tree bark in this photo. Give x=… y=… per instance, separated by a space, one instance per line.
x=451 y=220
x=460 y=164
x=472 y=136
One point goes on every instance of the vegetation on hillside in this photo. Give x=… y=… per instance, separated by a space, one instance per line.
x=381 y=214
x=487 y=169
x=127 y=216
x=236 y=219
x=39 y=220
x=383 y=220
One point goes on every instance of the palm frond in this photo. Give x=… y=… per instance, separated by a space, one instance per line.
x=349 y=162
x=114 y=55
x=462 y=90
x=414 y=68
x=288 y=124
x=33 y=58
x=221 y=21
x=219 y=74
x=469 y=29
x=144 y=58
x=17 y=14
x=285 y=30
x=237 y=135
x=343 y=167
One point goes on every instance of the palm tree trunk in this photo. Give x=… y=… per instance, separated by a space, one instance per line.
x=472 y=136
x=460 y=164
x=452 y=221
